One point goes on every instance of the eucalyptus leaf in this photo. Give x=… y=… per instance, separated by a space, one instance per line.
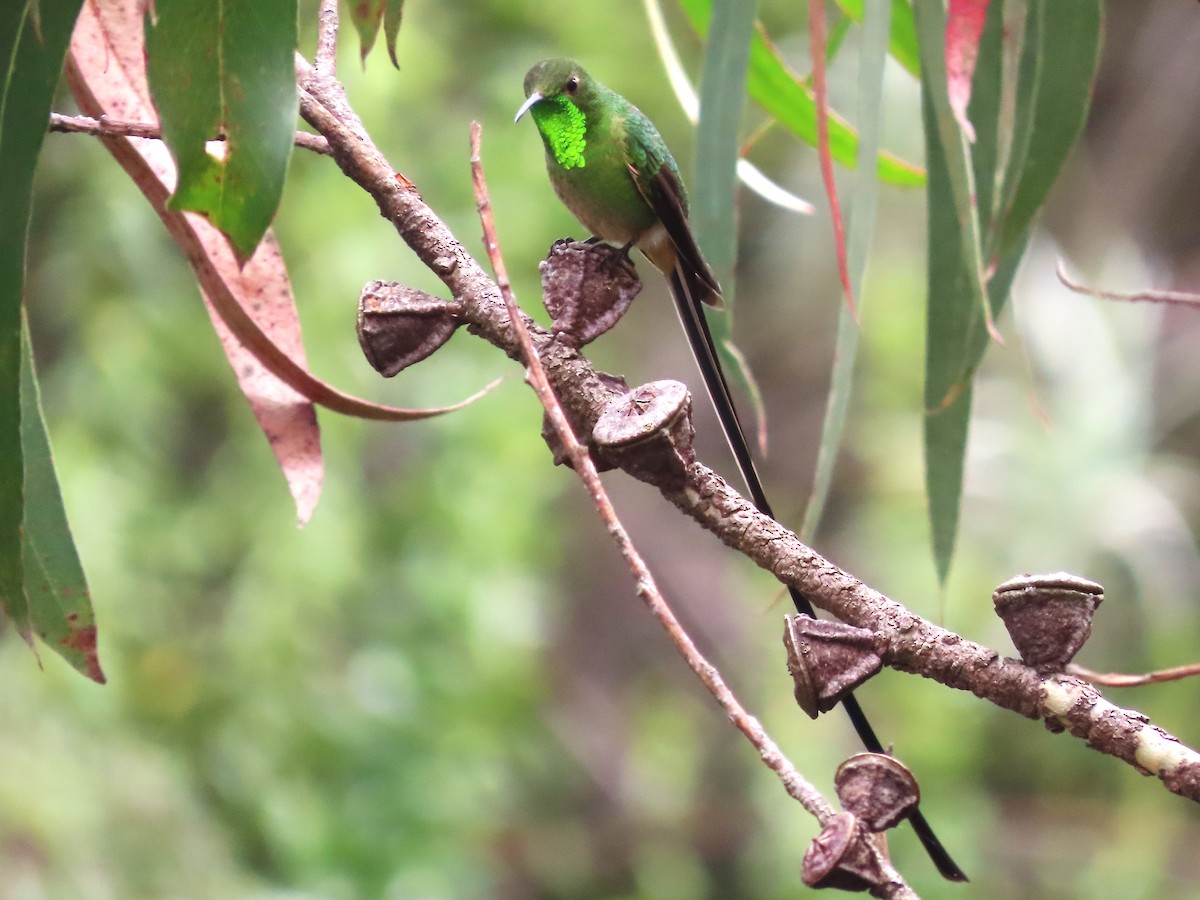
x=33 y=42
x=983 y=197
x=60 y=607
x=864 y=196
x=722 y=96
x=785 y=96
x=902 y=38
x=223 y=67
x=367 y=17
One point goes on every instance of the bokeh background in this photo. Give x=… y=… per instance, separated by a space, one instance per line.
x=444 y=687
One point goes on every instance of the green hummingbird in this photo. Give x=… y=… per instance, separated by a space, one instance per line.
x=611 y=168
x=613 y=171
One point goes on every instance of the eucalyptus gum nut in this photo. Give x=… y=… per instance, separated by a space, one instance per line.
x=827 y=660
x=399 y=326
x=877 y=788
x=1048 y=617
x=838 y=857
x=648 y=431
x=586 y=288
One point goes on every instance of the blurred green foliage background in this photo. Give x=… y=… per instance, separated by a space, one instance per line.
x=444 y=687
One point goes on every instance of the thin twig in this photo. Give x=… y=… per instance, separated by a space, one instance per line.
x=816 y=30
x=1183 y=298
x=327 y=32
x=106 y=127
x=581 y=461
x=1120 y=679
x=583 y=465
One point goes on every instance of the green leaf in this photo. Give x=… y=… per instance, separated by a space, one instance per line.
x=836 y=37
x=956 y=320
x=902 y=41
x=226 y=67
x=955 y=229
x=60 y=608
x=863 y=202
x=983 y=197
x=31 y=58
x=392 y=14
x=1061 y=53
x=946 y=432
x=367 y=16
x=946 y=426
x=722 y=95
x=785 y=96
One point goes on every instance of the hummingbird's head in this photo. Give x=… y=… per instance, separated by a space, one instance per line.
x=557 y=81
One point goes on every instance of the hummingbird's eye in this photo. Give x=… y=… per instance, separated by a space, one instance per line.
x=572 y=84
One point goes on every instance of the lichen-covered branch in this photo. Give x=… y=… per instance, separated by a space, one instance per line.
x=915 y=645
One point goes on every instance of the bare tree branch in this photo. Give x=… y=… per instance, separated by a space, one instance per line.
x=327 y=34
x=1122 y=679
x=1183 y=298
x=911 y=643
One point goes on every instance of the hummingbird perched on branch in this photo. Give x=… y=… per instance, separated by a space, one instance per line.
x=613 y=171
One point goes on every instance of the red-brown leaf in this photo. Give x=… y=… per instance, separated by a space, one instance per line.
x=816 y=30
x=964 y=26
x=106 y=71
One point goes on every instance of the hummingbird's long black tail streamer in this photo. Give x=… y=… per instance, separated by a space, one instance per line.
x=700 y=339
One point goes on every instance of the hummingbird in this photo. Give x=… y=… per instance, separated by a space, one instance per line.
x=611 y=168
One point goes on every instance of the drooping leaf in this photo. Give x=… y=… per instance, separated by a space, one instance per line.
x=722 y=93
x=955 y=231
x=223 y=66
x=367 y=17
x=947 y=427
x=946 y=432
x=1062 y=50
x=816 y=30
x=960 y=307
x=106 y=72
x=785 y=96
x=978 y=209
x=393 y=13
x=864 y=195
x=964 y=26
x=31 y=55
x=60 y=606
x=107 y=75
x=902 y=41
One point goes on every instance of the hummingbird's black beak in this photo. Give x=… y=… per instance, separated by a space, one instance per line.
x=529 y=101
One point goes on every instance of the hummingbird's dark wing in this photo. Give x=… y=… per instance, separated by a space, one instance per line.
x=664 y=192
x=692 y=285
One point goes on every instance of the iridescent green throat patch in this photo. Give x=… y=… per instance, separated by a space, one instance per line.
x=563 y=126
